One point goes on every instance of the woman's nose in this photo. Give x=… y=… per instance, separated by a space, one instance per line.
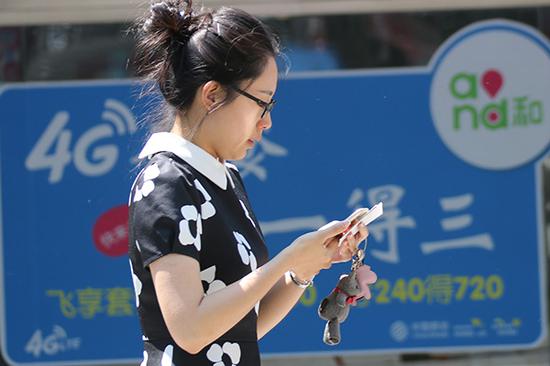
x=265 y=121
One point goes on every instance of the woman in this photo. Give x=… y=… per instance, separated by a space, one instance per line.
x=205 y=289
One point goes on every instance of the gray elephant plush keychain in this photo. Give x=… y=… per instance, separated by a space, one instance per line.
x=351 y=287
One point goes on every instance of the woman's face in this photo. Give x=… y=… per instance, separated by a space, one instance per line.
x=236 y=127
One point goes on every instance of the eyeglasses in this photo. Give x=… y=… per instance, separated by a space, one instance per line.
x=268 y=107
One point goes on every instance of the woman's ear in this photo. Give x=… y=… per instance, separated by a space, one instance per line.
x=212 y=95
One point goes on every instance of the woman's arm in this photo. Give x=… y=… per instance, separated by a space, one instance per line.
x=277 y=304
x=195 y=320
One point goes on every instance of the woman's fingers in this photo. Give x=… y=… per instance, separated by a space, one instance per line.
x=333 y=229
x=342 y=255
x=362 y=233
x=358 y=238
x=350 y=247
x=352 y=241
x=350 y=244
x=345 y=250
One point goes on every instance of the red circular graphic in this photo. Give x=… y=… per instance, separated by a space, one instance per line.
x=110 y=232
x=494 y=117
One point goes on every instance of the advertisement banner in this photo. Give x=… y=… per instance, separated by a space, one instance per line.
x=453 y=149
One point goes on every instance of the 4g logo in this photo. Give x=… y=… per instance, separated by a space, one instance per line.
x=495 y=115
x=53 y=149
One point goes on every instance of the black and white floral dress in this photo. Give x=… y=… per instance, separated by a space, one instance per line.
x=186 y=202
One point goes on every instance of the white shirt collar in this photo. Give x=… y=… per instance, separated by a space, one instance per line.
x=195 y=156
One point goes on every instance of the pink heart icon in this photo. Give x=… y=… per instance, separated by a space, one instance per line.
x=492 y=82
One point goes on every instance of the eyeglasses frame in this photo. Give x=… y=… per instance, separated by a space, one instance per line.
x=268 y=107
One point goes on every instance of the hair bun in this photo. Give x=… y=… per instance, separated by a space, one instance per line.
x=168 y=16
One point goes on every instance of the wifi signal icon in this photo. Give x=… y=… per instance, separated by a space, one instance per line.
x=120 y=116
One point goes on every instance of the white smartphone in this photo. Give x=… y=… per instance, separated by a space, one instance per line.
x=365 y=216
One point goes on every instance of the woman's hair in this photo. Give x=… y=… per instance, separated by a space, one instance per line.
x=179 y=49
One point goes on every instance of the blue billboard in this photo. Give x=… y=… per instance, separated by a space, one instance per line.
x=454 y=150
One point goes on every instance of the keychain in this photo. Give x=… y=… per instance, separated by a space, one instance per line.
x=351 y=287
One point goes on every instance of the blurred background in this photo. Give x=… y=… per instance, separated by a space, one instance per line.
x=47 y=46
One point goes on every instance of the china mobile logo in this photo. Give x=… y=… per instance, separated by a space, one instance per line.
x=500 y=113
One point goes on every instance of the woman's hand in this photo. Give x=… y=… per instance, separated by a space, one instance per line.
x=314 y=251
x=348 y=247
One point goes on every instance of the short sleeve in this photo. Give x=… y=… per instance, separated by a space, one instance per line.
x=164 y=212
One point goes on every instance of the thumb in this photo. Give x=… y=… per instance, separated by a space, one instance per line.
x=333 y=228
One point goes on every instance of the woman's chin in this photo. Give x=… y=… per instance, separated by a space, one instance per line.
x=240 y=156
x=237 y=155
